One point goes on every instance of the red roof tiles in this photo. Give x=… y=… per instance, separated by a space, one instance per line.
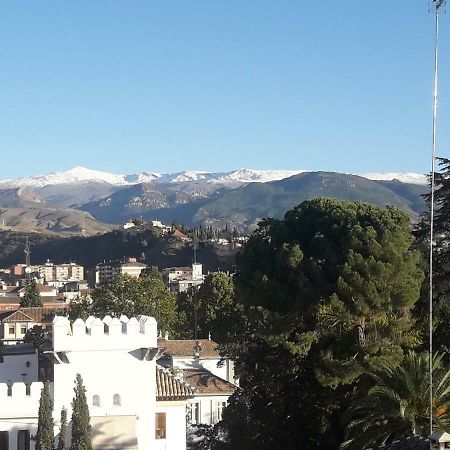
x=168 y=387
x=185 y=347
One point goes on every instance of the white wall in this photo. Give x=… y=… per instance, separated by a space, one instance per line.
x=14 y=366
x=175 y=426
x=109 y=363
x=209 y=414
x=19 y=411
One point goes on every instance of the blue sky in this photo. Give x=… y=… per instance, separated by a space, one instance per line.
x=128 y=86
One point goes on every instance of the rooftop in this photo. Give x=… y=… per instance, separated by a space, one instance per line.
x=206 y=382
x=37 y=314
x=168 y=387
x=185 y=347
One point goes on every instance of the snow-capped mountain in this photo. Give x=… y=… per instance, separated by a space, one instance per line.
x=76 y=175
x=81 y=175
x=404 y=177
x=241 y=176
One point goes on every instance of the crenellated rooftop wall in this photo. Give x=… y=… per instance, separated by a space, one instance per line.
x=102 y=334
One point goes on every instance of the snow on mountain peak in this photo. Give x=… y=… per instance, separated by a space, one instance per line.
x=404 y=177
x=81 y=174
x=75 y=175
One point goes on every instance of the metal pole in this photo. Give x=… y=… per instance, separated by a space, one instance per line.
x=433 y=164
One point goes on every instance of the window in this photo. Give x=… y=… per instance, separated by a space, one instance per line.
x=116 y=400
x=12 y=329
x=9 y=392
x=4 y=440
x=23 y=329
x=23 y=440
x=218 y=411
x=193 y=413
x=96 y=400
x=160 y=425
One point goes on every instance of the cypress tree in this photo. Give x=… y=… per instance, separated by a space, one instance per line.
x=32 y=296
x=62 y=431
x=44 y=435
x=81 y=427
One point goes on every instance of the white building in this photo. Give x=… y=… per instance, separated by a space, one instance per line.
x=133 y=403
x=201 y=366
x=60 y=272
x=180 y=279
x=15 y=324
x=107 y=271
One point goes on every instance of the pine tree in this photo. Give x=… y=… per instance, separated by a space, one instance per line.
x=44 y=435
x=326 y=293
x=62 y=431
x=32 y=296
x=81 y=427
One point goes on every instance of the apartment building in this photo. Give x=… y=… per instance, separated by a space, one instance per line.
x=106 y=272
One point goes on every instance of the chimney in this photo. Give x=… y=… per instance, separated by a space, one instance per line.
x=166 y=336
x=440 y=440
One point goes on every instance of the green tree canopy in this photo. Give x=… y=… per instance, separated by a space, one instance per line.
x=441 y=257
x=31 y=296
x=212 y=304
x=62 y=437
x=45 y=434
x=133 y=296
x=326 y=294
x=35 y=336
x=81 y=426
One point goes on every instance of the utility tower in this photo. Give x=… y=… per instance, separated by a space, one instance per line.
x=437 y=7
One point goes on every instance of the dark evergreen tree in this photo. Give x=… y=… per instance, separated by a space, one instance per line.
x=441 y=258
x=326 y=294
x=45 y=436
x=31 y=296
x=81 y=426
x=212 y=305
x=34 y=336
x=62 y=438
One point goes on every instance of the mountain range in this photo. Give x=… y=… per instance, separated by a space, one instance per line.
x=83 y=199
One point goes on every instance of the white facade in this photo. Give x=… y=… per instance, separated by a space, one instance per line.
x=116 y=359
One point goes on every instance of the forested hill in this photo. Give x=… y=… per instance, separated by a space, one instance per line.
x=88 y=251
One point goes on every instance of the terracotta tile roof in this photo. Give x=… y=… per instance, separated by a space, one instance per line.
x=179 y=234
x=206 y=382
x=15 y=300
x=168 y=387
x=36 y=315
x=16 y=316
x=185 y=347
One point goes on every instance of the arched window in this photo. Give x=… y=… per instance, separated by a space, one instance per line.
x=96 y=400
x=116 y=400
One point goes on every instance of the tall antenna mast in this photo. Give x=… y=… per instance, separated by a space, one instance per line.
x=27 y=252
x=437 y=7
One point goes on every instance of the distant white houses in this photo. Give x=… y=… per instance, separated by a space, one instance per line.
x=180 y=279
x=107 y=271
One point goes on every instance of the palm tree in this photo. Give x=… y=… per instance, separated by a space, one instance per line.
x=398 y=403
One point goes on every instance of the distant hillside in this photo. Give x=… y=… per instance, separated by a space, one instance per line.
x=21 y=209
x=89 y=251
x=244 y=206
